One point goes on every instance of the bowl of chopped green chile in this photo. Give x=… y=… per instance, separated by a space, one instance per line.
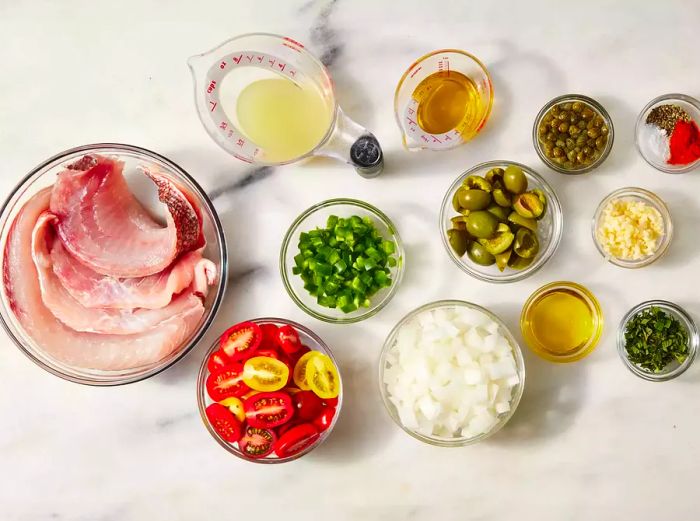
x=657 y=340
x=342 y=260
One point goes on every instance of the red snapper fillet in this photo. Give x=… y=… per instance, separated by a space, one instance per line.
x=104 y=226
x=81 y=350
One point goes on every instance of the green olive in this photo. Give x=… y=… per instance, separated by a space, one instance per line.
x=514 y=179
x=458 y=241
x=477 y=183
x=455 y=199
x=502 y=198
x=459 y=223
x=526 y=244
x=495 y=176
x=517 y=262
x=502 y=259
x=519 y=220
x=481 y=224
x=478 y=254
x=499 y=242
x=543 y=199
x=474 y=199
x=500 y=212
x=528 y=205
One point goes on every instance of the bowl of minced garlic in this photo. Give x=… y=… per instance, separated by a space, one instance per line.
x=632 y=227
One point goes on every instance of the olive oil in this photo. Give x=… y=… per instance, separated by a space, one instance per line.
x=448 y=100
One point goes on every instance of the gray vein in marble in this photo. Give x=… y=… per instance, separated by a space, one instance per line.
x=165 y=423
x=324 y=36
x=240 y=275
x=254 y=176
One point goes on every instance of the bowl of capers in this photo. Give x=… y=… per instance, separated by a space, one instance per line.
x=500 y=221
x=573 y=134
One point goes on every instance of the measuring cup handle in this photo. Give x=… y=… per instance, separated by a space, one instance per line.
x=355 y=145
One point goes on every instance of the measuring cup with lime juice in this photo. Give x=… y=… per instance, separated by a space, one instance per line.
x=266 y=100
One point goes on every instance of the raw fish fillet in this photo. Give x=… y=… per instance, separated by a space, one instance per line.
x=63 y=344
x=104 y=226
x=96 y=320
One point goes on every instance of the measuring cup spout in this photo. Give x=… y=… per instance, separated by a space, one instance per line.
x=354 y=144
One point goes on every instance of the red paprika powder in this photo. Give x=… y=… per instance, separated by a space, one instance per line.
x=684 y=143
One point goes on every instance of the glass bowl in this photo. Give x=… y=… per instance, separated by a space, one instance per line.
x=531 y=338
x=549 y=230
x=652 y=151
x=384 y=363
x=316 y=216
x=673 y=369
x=636 y=194
x=570 y=98
x=43 y=176
x=309 y=339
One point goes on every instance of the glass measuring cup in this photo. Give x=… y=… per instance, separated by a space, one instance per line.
x=221 y=74
x=412 y=87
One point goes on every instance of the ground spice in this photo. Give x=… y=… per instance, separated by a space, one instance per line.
x=666 y=117
x=684 y=143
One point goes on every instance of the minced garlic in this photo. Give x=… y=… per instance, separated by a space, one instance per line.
x=630 y=230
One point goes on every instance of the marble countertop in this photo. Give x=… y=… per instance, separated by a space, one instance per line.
x=589 y=440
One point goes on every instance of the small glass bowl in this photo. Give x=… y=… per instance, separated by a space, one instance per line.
x=439 y=441
x=549 y=230
x=536 y=346
x=673 y=369
x=645 y=148
x=309 y=339
x=570 y=98
x=637 y=194
x=316 y=216
x=44 y=175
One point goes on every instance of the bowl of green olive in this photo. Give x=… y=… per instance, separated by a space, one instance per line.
x=500 y=221
x=573 y=134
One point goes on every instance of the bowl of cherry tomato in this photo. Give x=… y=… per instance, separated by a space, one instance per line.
x=269 y=390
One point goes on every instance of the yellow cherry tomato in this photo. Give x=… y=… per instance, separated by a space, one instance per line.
x=234 y=405
x=266 y=374
x=299 y=374
x=322 y=377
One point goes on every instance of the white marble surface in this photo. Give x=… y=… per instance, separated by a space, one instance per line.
x=589 y=441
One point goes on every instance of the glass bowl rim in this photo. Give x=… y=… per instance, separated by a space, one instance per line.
x=688 y=324
x=398 y=273
x=19 y=189
x=201 y=392
x=656 y=202
x=601 y=111
x=517 y=355
x=641 y=120
x=553 y=206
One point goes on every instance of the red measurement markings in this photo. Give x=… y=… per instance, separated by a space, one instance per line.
x=240 y=142
x=292 y=72
x=411 y=112
x=229 y=134
x=271 y=62
x=282 y=66
x=411 y=122
x=213 y=105
x=447 y=137
x=424 y=138
x=260 y=58
x=222 y=65
x=415 y=72
x=436 y=140
x=249 y=58
x=211 y=87
x=223 y=125
x=237 y=59
x=288 y=39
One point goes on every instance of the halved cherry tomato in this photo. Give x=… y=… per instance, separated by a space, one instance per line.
x=270 y=352
x=288 y=339
x=269 y=335
x=296 y=439
x=267 y=410
x=249 y=394
x=235 y=405
x=307 y=405
x=322 y=376
x=324 y=420
x=227 y=382
x=257 y=442
x=240 y=341
x=291 y=391
x=224 y=422
x=263 y=373
x=300 y=370
x=217 y=360
x=295 y=356
x=331 y=402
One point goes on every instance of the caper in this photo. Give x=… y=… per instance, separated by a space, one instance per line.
x=502 y=198
x=478 y=254
x=593 y=133
x=515 y=180
x=582 y=125
x=502 y=259
x=519 y=220
x=477 y=183
x=563 y=116
x=574 y=131
x=558 y=152
x=526 y=244
x=500 y=212
x=604 y=130
x=587 y=113
x=481 y=224
x=474 y=199
x=577 y=106
x=499 y=242
x=458 y=241
x=600 y=143
x=527 y=205
x=563 y=127
x=568 y=105
x=517 y=262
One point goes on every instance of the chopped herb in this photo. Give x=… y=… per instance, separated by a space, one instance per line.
x=654 y=339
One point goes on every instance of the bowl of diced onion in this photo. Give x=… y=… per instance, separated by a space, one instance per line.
x=451 y=373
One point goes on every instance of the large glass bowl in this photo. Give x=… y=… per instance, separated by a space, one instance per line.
x=549 y=227
x=44 y=175
x=440 y=441
x=316 y=216
x=309 y=339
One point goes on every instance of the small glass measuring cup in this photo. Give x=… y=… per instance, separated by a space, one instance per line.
x=411 y=87
x=222 y=73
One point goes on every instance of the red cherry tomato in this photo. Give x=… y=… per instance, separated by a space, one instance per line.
x=331 y=402
x=224 y=422
x=257 y=442
x=217 y=360
x=285 y=427
x=239 y=342
x=288 y=339
x=269 y=335
x=296 y=439
x=324 y=420
x=267 y=410
x=269 y=352
x=295 y=356
x=307 y=405
x=227 y=382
